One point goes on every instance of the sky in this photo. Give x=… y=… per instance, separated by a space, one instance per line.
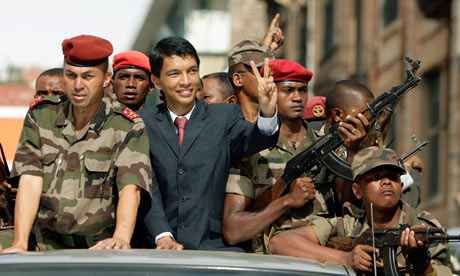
x=32 y=31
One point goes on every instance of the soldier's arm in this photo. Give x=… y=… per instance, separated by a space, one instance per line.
x=27 y=201
x=129 y=199
x=240 y=223
x=302 y=242
x=133 y=182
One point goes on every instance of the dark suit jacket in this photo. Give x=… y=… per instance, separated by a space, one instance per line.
x=188 y=183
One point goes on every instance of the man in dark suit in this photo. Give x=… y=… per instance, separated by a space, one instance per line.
x=191 y=147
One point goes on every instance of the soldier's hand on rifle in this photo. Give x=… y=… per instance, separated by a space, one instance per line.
x=267 y=90
x=415 y=250
x=408 y=241
x=3 y=199
x=415 y=163
x=274 y=37
x=302 y=190
x=10 y=192
x=352 y=131
x=360 y=258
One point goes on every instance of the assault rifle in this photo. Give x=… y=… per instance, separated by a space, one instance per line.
x=7 y=213
x=319 y=153
x=388 y=240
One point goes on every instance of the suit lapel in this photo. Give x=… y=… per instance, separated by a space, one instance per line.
x=165 y=126
x=194 y=127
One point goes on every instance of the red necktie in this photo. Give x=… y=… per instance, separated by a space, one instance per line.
x=180 y=123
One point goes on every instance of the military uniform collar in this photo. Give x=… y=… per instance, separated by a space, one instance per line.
x=405 y=218
x=284 y=145
x=104 y=111
x=65 y=117
x=63 y=112
x=353 y=210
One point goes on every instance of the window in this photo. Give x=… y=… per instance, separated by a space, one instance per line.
x=328 y=28
x=431 y=125
x=389 y=11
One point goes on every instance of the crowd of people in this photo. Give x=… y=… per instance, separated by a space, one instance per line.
x=96 y=168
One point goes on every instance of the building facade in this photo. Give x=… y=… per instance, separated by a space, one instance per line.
x=351 y=39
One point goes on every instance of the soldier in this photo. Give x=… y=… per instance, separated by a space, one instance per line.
x=253 y=175
x=131 y=79
x=218 y=89
x=81 y=159
x=376 y=174
x=314 y=112
x=50 y=83
x=344 y=98
x=241 y=77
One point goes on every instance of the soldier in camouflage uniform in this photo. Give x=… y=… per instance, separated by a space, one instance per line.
x=241 y=77
x=82 y=160
x=250 y=177
x=376 y=173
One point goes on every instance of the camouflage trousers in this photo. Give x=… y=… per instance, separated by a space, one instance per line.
x=50 y=240
x=6 y=238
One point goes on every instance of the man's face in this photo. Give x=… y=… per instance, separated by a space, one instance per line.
x=179 y=79
x=131 y=86
x=211 y=91
x=292 y=97
x=49 y=86
x=84 y=85
x=382 y=186
x=248 y=81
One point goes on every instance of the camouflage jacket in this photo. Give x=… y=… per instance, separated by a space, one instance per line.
x=82 y=174
x=253 y=175
x=354 y=223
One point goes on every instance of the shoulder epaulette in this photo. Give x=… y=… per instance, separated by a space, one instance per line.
x=48 y=99
x=131 y=115
x=35 y=102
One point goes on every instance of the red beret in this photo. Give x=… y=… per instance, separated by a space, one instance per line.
x=286 y=70
x=86 y=50
x=315 y=109
x=131 y=59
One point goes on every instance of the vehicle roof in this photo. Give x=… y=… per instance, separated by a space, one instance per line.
x=186 y=258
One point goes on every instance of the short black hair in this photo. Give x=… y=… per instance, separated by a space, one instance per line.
x=170 y=46
x=53 y=72
x=343 y=94
x=226 y=87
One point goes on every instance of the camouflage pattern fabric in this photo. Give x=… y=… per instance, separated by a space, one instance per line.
x=373 y=157
x=355 y=223
x=6 y=238
x=253 y=175
x=82 y=174
x=247 y=50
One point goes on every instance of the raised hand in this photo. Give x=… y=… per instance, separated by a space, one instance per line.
x=352 y=131
x=274 y=37
x=268 y=93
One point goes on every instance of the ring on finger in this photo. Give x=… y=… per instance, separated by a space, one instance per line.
x=353 y=131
